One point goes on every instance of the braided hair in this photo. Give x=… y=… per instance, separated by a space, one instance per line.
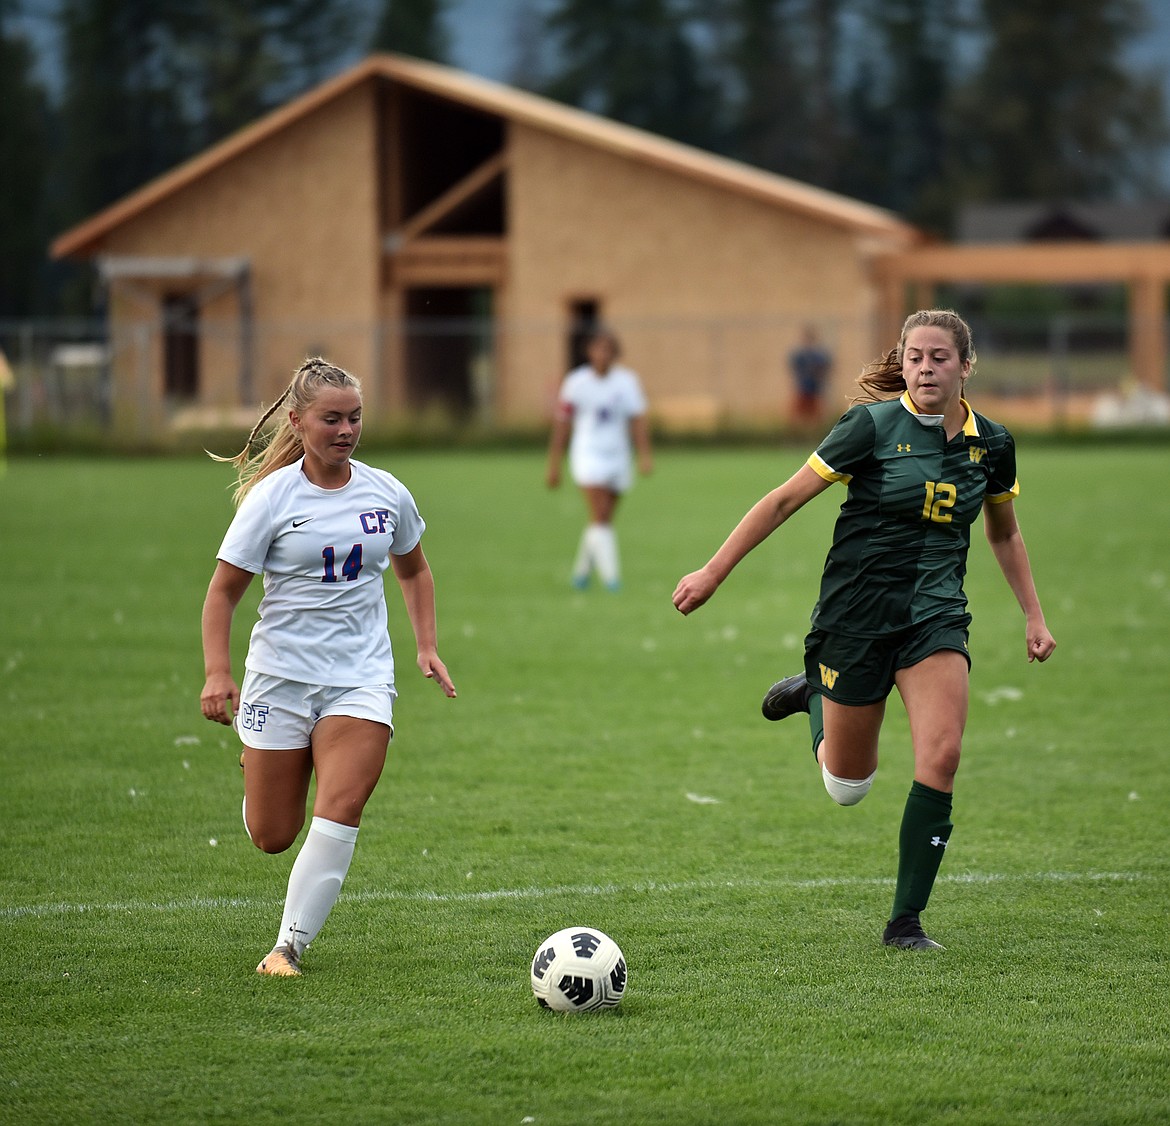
x=259 y=458
x=882 y=378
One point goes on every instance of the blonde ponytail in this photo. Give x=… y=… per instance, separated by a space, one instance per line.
x=256 y=460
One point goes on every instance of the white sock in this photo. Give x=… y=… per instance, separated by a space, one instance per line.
x=315 y=881
x=606 y=554
x=583 y=564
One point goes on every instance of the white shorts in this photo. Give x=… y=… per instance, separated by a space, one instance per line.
x=279 y=715
x=601 y=473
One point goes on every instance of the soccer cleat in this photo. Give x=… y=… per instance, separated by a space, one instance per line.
x=580 y=582
x=906 y=933
x=282 y=962
x=787 y=696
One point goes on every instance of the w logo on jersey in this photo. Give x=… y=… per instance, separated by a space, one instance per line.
x=829 y=676
x=976 y=453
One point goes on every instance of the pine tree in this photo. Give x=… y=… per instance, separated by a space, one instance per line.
x=121 y=116
x=24 y=219
x=771 y=98
x=234 y=62
x=1054 y=110
x=633 y=60
x=902 y=104
x=413 y=27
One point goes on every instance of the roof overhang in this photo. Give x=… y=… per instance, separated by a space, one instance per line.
x=519 y=106
x=112 y=267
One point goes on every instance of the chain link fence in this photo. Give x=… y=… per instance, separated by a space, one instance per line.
x=702 y=375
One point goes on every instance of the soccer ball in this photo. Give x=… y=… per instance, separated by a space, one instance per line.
x=578 y=969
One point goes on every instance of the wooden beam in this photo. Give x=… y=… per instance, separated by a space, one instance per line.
x=1143 y=267
x=1147 y=331
x=450 y=260
x=458 y=193
x=1051 y=263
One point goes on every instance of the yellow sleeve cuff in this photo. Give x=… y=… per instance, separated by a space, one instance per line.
x=822 y=469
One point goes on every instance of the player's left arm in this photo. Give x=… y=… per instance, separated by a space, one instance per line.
x=640 y=433
x=1007 y=544
x=413 y=573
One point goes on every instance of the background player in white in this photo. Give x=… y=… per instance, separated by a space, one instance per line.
x=318 y=688
x=602 y=407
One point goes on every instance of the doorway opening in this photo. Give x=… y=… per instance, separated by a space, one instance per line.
x=450 y=350
x=584 y=320
x=180 y=346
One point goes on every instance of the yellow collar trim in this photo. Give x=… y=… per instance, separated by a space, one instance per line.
x=970 y=426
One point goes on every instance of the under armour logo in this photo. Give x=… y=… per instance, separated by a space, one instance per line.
x=903 y=448
x=938 y=842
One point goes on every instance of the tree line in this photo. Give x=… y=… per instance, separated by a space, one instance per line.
x=920 y=106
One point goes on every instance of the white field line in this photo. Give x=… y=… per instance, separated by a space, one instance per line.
x=198 y=903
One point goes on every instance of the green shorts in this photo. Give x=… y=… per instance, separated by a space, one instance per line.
x=861 y=670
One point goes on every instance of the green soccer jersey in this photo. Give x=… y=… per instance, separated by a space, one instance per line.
x=899 y=549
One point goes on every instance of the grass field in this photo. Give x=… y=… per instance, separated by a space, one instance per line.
x=561 y=788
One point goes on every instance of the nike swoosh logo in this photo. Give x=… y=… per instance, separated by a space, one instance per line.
x=298 y=523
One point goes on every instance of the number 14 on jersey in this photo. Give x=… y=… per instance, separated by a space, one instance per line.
x=350 y=568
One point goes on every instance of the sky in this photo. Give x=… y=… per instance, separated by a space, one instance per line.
x=481 y=35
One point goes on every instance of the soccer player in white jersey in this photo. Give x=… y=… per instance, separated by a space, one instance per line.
x=318 y=689
x=600 y=408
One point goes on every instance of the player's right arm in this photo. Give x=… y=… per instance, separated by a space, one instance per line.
x=221 y=695
x=562 y=427
x=762 y=519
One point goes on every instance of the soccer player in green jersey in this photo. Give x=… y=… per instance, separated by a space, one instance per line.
x=919 y=465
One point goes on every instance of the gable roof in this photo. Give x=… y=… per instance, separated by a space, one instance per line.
x=514 y=105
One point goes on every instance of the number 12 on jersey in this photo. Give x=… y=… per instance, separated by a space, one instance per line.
x=939 y=497
x=350 y=568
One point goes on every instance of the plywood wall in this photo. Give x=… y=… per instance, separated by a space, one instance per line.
x=698 y=280
x=302 y=206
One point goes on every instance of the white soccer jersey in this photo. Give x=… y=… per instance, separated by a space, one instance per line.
x=601 y=406
x=323 y=553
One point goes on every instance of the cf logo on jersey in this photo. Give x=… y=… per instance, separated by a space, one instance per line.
x=829 y=676
x=375 y=522
x=976 y=453
x=253 y=716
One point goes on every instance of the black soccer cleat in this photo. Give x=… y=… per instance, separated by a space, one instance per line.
x=787 y=696
x=906 y=933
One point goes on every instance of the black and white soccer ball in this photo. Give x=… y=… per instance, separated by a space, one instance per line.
x=578 y=969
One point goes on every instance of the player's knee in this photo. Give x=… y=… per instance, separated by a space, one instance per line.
x=273 y=843
x=272 y=837
x=940 y=764
x=846 y=791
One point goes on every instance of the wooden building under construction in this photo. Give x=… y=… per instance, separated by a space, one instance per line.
x=445 y=238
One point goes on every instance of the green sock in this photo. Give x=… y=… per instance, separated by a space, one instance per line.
x=816 y=720
x=926 y=828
